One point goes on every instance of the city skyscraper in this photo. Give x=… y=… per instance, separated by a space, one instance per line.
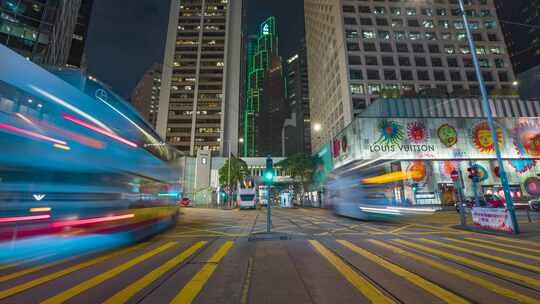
x=264 y=111
x=299 y=138
x=47 y=32
x=200 y=89
x=145 y=96
x=522 y=38
x=357 y=51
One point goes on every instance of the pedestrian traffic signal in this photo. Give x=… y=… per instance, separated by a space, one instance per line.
x=268 y=174
x=414 y=187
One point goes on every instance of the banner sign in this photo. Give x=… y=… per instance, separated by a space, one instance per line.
x=492 y=219
x=437 y=138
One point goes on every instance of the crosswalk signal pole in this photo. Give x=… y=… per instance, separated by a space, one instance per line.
x=489 y=116
x=268 y=177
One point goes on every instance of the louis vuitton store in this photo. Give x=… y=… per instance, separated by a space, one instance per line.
x=435 y=153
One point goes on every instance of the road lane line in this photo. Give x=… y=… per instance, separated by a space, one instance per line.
x=511 y=252
x=520 y=298
x=196 y=284
x=415 y=279
x=127 y=293
x=26 y=271
x=504 y=245
x=27 y=285
x=73 y=291
x=401 y=228
x=484 y=255
x=536 y=244
x=475 y=264
x=366 y=288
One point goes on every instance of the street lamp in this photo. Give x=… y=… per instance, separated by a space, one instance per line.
x=317 y=127
x=489 y=115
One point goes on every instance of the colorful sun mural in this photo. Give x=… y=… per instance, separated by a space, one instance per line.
x=522 y=165
x=417 y=132
x=391 y=133
x=482 y=172
x=532 y=186
x=417 y=171
x=447 y=167
x=482 y=139
x=527 y=139
x=447 y=135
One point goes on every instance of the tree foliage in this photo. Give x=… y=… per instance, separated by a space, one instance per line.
x=299 y=166
x=239 y=171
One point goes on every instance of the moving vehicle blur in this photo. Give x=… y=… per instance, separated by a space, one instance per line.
x=77 y=162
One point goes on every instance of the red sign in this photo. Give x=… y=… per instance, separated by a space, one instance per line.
x=454 y=175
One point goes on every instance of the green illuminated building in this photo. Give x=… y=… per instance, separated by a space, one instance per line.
x=265 y=93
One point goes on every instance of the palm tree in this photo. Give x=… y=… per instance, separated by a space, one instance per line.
x=239 y=171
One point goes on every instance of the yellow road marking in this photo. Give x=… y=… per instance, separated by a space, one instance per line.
x=484 y=255
x=127 y=293
x=22 y=287
x=475 y=264
x=504 y=245
x=401 y=228
x=461 y=274
x=495 y=249
x=193 y=287
x=365 y=287
x=23 y=272
x=417 y=280
x=537 y=244
x=70 y=293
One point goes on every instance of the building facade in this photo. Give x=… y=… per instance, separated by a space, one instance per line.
x=358 y=50
x=298 y=100
x=145 y=96
x=265 y=105
x=46 y=32
x=522 y=37
x=199 y=97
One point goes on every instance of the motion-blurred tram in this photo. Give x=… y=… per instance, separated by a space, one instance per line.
x=371 y=191
x=77 y=163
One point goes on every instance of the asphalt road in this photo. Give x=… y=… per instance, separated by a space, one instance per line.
x=217 y=256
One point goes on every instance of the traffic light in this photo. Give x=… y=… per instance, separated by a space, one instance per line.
x=268 y=174
x=414 y=188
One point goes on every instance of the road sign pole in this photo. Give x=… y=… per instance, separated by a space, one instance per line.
x=268 y=210
x=489 y=115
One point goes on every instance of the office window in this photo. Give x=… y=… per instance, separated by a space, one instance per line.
x=436 y=62
x=420 y=61
x=390 y=75
x=370 y=47
x=373 y=75
x=406 y=75
x=385 y=47
x=356 y=74
x=388 y=61
x=382 y=21
x=372 y=60
x=422 y=75
x=366 y=21
x=452 y=62
x=439 y=76
x=402 y=47
x=349 y=21
x=404 y=61
x=455 y=76
x=418 y=48
x=355 y=60
x=434 y=49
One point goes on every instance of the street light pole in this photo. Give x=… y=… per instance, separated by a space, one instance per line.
x=489 y=115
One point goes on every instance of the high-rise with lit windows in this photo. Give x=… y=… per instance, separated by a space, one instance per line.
x=51 y=32
x=145 y=96
x=359 y=51
x=200 y=90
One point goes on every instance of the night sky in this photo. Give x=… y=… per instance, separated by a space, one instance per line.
x=127 y=37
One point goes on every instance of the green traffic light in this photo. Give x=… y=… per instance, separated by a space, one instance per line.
x=269 y=175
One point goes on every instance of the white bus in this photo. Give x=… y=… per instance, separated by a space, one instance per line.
x=247 y=194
